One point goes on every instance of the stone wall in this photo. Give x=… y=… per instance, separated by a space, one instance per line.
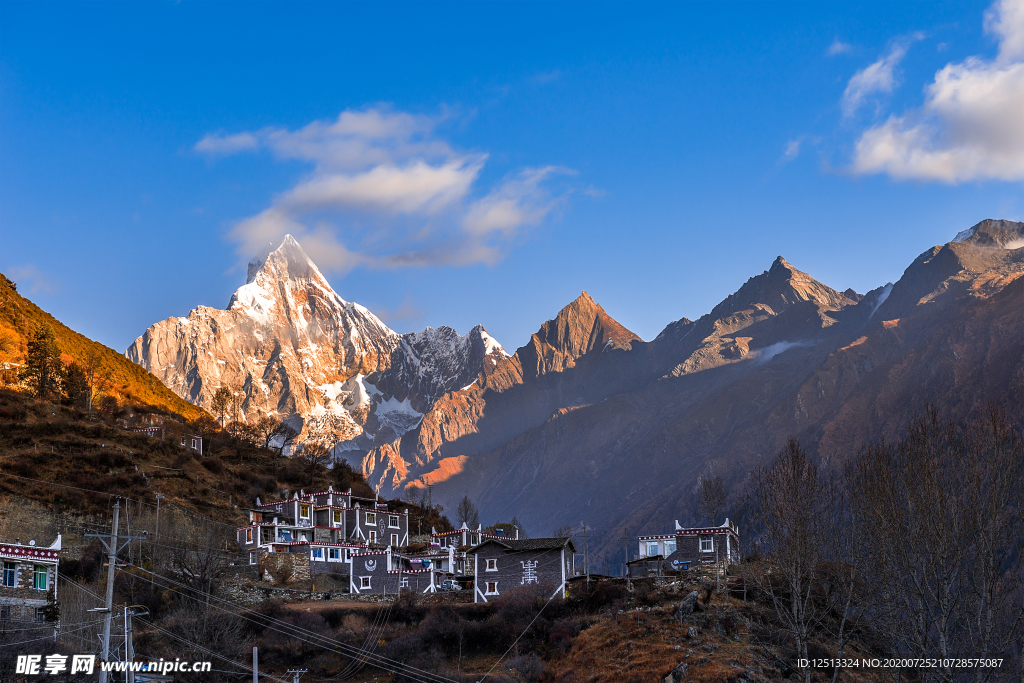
x=284 y=567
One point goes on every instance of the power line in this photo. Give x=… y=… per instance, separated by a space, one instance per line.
x=173 y=635
x=53 y=637
x=116 y=495
x=297 y=632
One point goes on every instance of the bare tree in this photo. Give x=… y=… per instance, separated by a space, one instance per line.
x=712 y=497
x=264 y=429
x=202 y=627
x=284 y=435
x=315 y=455
x=564 y=531
x=221 y=403
x=944 y=506
x=792 y=511
x=467 y=513
x=195 y=548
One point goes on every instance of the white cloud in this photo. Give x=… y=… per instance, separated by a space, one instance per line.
x=518 y=201
x=879 y=77
x=792 y=149
x=838 y=47
x=971 y=125
x=216 y=144
x=386 y=192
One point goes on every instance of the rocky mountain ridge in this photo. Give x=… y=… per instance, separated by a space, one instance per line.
x=586 y=404
x=293 y=348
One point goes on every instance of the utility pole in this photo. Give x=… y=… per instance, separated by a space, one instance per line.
x=156 y=542
x=586 y=559
x=255 y=664
x=108 y=608
x=159 y=497
x=129 y=612
x=625 y=552
x=430 y=492
x=111 y=564
x=296 y=673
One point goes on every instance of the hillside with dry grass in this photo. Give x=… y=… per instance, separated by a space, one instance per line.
x=118 y=376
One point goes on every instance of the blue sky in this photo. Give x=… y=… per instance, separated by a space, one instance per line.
x=484 y=163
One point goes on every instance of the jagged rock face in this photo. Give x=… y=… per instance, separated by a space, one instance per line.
x=295 y=348
x=427 y=365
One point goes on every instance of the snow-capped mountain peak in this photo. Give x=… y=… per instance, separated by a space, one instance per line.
x=297 y=350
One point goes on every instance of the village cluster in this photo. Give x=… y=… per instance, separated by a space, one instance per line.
x=366 y=544
x=333 y=532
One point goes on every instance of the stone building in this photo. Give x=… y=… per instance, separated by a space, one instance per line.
x=27 y=582
x=687 y=547
x=384 y=572
x=501 y=565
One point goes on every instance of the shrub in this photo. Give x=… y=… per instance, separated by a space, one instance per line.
x=214 y=464
x=529 y=667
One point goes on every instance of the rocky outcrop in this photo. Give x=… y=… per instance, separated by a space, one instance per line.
x=293 y=348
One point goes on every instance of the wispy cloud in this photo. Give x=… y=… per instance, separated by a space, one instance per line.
x=970 y=126
x=838 y=47
x=547 y=77
x=386 y=191
x=792 y=150
x=878 y=77
x=406 y=316
x=30 y=277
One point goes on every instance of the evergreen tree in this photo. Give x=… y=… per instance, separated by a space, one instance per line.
x=76 y=385
x=43 y=370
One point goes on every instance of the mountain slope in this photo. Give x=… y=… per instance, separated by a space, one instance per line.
x=580 y=356
x=837 y=372
x=583 y=356
x=18 y=319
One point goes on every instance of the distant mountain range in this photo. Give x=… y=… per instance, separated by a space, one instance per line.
x=588 y=422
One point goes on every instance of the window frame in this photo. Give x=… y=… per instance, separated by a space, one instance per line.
x=370 y=519
x=337 y=516
x=674 y=547
x=393 y=522
x=316 y=554
x=707 y=539
x=371 y=536
x=651 y=544
x=491 y=565
x=10 y=569
x=252 y=557
x=364 y=583
x=40 y=570
x=333 y=554
x=490 y=587
x=248 y=535
x=304 y=510
x=394 y=540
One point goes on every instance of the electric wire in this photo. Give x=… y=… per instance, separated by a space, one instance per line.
x=173 y=635
x=53 y=637
x=298 y=632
